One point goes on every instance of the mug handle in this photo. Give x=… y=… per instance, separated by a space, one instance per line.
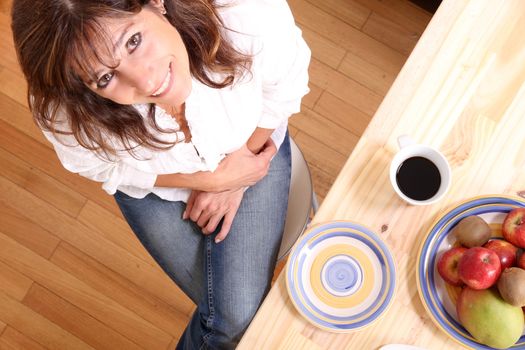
x=404 y=140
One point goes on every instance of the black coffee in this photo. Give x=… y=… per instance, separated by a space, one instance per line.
x=418 y=178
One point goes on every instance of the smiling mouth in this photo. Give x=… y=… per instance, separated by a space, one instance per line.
x=165 y=84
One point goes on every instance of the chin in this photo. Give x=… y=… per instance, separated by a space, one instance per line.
x=178 y=97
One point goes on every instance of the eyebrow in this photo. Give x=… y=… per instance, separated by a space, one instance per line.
x=122 y=35
x=117 y=43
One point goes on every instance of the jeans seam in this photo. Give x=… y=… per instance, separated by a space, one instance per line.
x=209 y=275
x=205 y=338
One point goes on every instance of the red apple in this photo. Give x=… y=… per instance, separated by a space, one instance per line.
x=506 y=252
x=521 y=260
x=514 y=227
x=448 y=265
x=479 y=268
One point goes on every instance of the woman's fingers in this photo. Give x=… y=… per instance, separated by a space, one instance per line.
x=207 y=209
x=212 y=224
x=189 y=205
x=204 y=218
x=226 y=225
x=228 y=219
x=268 y=150
x=198 y=207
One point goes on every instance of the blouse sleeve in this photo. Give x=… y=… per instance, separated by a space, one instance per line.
x=84 y=162
x=285 y=59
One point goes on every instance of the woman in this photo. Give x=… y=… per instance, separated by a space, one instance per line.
x=178 y=108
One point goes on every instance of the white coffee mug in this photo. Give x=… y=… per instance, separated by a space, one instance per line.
x=409 y=150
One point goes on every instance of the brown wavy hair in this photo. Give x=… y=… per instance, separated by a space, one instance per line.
x=53 y=36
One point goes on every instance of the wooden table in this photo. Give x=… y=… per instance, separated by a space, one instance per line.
x=462 y=90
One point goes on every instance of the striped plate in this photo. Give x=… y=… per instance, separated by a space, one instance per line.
x=438 y=297
x=340 y=276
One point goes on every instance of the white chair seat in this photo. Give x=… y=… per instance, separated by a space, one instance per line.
x=301 y=201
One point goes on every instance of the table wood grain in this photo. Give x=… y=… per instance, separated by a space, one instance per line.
x=462 y=91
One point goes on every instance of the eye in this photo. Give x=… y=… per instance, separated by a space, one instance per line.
x=134 y=42
x=104 y=80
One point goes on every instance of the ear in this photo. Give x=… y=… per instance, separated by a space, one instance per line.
x=158 y=4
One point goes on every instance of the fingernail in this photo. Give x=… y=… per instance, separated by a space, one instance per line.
x=218 y=240
x=184 y=215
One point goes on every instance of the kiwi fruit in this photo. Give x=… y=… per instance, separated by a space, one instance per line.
x=472 y=231
x=511 y=286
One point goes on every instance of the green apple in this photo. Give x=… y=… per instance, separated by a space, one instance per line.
x=488 y=318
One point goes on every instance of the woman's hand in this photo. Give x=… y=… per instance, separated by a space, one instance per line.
x=208 y=208
x=238 y=169
x=243 y=168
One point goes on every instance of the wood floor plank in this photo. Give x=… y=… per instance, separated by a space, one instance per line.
x=113 y=228
x=323 y=49
x=75 y=321
x=45 y=159
x=36 y=327
x=26 y=232
x=402 y=12
x=318 y=153
x=391 y=34
x=373 y=77
x=14 y=340
x=344 y=88
x=138 y=300
x=13 y=283
x=40 y=184
x=292 y=130
x=311 y=98
x=18 y=116
x=322 y=181
x=13 y=85
x=173 y=344
x=95 y=245
x=349 y=11
x=325 y=130
x=75 y=291
x=346 y=36
x=341 y=113
x=7 y=50
x=5 y=6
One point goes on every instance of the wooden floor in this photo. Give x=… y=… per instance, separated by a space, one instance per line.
x=72 y=275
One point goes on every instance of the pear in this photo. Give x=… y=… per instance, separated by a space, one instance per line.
x=488 y=318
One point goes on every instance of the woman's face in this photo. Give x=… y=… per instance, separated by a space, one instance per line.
x=151 y=62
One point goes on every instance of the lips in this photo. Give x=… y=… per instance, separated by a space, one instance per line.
x=165 y=84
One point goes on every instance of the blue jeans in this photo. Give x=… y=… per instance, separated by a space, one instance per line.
x=227 y=281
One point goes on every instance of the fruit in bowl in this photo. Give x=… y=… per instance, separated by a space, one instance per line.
x=492 y=315
x=472 y=231
x=448 y=265
x=479 y=268
x=488 y=318
x=521 y=260
x=506 y=252
x=511 y=286
x=446 y=301
x=514 y=227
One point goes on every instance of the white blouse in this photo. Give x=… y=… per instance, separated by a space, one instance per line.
x=220 y=120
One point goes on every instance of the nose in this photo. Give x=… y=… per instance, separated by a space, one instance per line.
x=139 y=76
